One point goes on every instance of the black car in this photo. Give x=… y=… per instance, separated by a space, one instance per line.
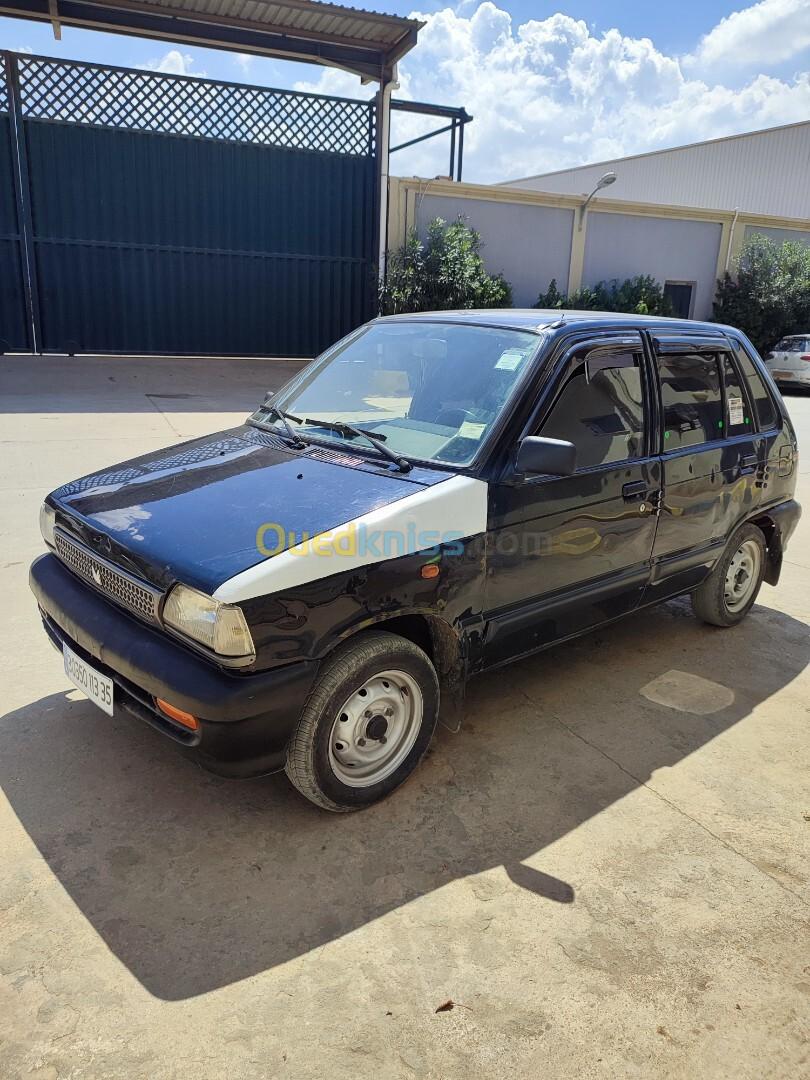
x=436 y=495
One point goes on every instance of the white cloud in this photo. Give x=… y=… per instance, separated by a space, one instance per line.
x=244 y=61
x=772 y=31
x=550 y=93
x=173 y=63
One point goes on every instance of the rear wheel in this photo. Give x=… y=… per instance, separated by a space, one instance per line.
x=366 y=724
x=729 y=592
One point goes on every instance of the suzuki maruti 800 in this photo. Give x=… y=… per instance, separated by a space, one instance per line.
x=433 y=497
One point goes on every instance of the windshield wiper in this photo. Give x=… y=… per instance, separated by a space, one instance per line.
x=285 y=418
x=377 y=441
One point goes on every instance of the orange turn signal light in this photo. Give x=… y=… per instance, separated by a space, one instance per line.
x=182 y=717
x=430 y=570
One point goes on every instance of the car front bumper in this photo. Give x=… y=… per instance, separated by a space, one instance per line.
x=245 y=720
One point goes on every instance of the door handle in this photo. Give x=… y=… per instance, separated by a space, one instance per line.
x=635 y=489
x=748 y=461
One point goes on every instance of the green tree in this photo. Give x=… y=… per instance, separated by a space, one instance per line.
x=443 y=272
x=552 y=298
x=640 y=295
x=768 y=296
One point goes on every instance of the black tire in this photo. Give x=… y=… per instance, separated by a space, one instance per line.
x=709 y=600
x=344 y=673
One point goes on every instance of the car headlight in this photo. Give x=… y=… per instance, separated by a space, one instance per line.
x=47 y=523
x=219 y=627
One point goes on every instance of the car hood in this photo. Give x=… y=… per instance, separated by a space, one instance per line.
x=193 y=512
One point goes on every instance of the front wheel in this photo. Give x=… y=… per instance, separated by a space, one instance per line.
x=729 y=592
x=366 y=724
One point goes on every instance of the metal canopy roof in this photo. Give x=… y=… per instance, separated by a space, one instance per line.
x=366 y=43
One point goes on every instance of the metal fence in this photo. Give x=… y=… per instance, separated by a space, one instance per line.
x=15 y=317
x=169 y=214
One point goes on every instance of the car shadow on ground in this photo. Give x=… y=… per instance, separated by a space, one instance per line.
x=195 y=882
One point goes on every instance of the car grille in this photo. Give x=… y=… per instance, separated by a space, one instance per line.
x=117 y=585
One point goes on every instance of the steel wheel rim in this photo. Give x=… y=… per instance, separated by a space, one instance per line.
x=742 y=575
x=375 y=729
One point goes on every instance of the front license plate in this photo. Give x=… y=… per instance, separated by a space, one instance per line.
x=782 y=374
x=98 y=687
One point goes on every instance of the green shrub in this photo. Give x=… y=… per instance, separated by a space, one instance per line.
x=444 y=272
x=640 y=295
x=769 y=295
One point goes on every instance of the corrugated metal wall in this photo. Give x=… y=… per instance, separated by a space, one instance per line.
x=15 y=326
x=177 y=215
x=765 y=172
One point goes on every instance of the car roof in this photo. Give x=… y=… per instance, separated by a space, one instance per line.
x=539 y=319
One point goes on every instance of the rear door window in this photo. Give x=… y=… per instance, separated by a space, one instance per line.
x=692 y=400
x=760 y=395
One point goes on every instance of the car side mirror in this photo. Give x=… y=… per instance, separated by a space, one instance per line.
x=554 y=457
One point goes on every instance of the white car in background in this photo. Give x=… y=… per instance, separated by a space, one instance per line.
x=789 y=363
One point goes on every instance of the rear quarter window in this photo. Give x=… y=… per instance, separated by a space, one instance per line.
x=764 y=406
x=738 y=421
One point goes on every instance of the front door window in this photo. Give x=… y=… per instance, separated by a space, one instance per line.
x=601 y=410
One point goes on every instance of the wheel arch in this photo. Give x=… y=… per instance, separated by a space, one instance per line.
x=443 y=644
x=769 y=527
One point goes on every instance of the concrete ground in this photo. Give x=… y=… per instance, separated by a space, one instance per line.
x=607 y=869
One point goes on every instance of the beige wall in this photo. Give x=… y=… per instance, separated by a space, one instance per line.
x=532 y=236
x=778 y=235
x=529 y=244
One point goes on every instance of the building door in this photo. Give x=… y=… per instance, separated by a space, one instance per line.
x=679 y=294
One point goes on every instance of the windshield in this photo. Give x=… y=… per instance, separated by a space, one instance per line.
x=427 y=390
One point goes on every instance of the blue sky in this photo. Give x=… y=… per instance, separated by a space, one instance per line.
x=549 y=84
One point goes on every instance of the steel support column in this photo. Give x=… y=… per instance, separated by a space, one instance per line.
x=382 y=142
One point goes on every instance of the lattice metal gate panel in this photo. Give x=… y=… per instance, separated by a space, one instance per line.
x=180 y=215
x=15 y=318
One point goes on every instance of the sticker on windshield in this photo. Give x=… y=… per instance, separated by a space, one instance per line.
x=510 y=360
x=735 y=411
x=469 y=430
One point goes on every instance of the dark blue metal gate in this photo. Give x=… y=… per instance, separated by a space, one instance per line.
x=15 y=316
x=179 y=215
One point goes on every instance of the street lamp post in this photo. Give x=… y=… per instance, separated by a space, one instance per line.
x=603 y=182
